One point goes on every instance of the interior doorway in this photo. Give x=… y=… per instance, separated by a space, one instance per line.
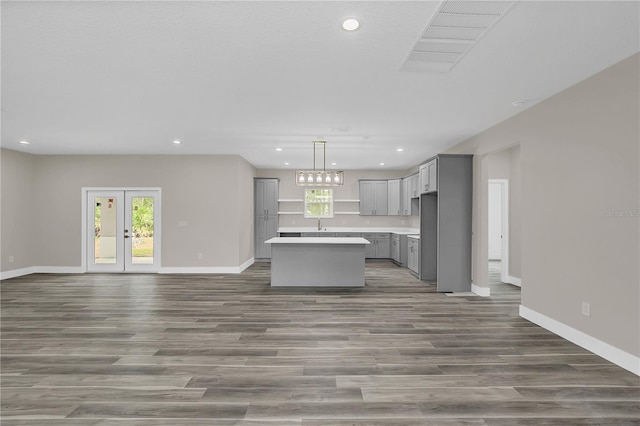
x=498 y=231
x=121 y=231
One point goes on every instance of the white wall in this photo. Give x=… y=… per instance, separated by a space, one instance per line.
x=579 y=170
x=350 y=190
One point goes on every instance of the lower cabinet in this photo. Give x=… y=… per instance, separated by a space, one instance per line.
x=413 y=255
x=266 y=227
x=395 y=248
x=380 y=247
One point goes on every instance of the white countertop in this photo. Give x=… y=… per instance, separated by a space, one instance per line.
x=391 y=230
x=317 y=240
x=416 y=237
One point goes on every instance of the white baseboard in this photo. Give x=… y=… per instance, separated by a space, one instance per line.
x=246 y=264
x=41 y=270
x=514 y=280
x=206 y=269
x=611 y=353
x=481 y=291
x=79 y=270
x=58 y=270
x=17 y=273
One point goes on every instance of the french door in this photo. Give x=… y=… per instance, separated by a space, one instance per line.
x=123 y=232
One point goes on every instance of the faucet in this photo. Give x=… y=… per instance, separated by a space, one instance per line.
x=319 y=227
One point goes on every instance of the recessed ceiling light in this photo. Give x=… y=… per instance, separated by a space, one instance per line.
x=518 y=104
x=177 y=142
x=286 y=164
x=351 y=24
x=382 y=164
x=24 y=142
x=400 y=149
x=278 y=149
x=333 y=164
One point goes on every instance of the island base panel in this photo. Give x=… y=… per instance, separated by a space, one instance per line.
x=323 y=265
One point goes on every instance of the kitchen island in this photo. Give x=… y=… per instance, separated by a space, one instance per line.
x=317 y=261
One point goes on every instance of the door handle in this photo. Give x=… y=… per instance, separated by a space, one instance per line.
x=126 y=236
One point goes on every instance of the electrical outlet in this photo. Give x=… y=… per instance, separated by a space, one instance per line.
x=586 y=309
x=11 y=259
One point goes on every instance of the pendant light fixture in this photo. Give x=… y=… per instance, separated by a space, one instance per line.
x=322 y=177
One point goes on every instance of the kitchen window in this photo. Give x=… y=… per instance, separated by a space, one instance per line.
x=318 y=203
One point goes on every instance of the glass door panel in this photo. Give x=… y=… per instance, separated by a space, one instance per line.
x=142 y=230
x=105 y=228
x=140 y=219
x=122 y=232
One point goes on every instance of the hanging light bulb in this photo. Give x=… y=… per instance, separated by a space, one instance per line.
x=319 y=177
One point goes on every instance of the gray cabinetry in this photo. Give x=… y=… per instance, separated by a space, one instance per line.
x=410 y=186
x=395 y=248
x=348 y=234
x=380 y=247
x=406 y=200
x=429 y=176
x=373 y=197
x=394 y=197
x=414 y=185
x=266 y=215
x=413 y=255
x=445 y=225
x=319 y=234
x=266 y=196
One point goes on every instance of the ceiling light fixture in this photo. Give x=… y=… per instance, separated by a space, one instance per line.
x=518 y=104
x=278 y=149
x=24 y=142
x=322 y=177
x=382 y=164
x=351 y=24
x=286 y=164
x=400 y=149
x=177 y=142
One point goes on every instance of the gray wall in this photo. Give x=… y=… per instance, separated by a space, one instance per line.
x=579 y=161
x=212 y=194
x=18 y=221
x=350 y=190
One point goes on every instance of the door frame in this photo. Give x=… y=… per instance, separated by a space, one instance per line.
x=157 y=224
x=504 y=225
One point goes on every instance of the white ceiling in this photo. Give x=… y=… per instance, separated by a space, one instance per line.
x=244 y=77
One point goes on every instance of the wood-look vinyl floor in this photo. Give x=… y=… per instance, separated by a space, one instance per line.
x=101 y=349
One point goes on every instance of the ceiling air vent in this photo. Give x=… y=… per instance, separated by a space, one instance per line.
x=453 y=30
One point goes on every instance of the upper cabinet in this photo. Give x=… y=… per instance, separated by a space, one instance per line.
x=414 y=186
x=266 y=197
x=394 y=197
x=374 y=198
x=429 y=176
x=409 y=190
x=266 y=215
